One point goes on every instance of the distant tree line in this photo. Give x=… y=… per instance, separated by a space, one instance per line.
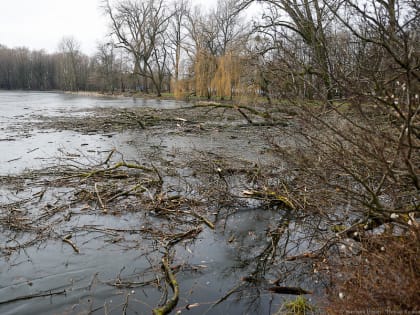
x=311 y=49
x=68 y=69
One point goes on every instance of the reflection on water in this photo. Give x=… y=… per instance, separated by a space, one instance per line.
x=19 y=104
x=239 y=262
x=22 y=147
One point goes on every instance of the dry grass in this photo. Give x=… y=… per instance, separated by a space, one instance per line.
x=383 y=279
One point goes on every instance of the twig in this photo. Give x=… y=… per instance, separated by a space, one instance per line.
x=181 y=236
x=67 y=240
x=237 y=107
x=32 y=296
x=130 y=284
x=269 y=196
x=243 y=114
x=315 y=253
x=135 y=118
x=30 y=151
x=114 y=167
x=99 y=199
x=158 y=174
x=125 y=193
x=126 y=304
x=205 y=220
x=12 y=160
x=109 y=156
x=223 y=298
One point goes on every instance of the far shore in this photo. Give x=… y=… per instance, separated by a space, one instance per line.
x=166 y=96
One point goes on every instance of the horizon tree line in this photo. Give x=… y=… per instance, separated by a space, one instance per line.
x=309 y=49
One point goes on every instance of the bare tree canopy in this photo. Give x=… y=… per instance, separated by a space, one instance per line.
x=139 y=27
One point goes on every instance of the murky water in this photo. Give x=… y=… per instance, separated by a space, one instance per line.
x=211 y=266
x=23 y=147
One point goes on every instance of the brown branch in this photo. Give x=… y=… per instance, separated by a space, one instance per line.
x=170 y=304
x=99 y=199
x=66 y=239
x=288 y=290
x=114 y=167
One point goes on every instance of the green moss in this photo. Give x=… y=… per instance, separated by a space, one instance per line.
x=299 y=306
x=338 y=228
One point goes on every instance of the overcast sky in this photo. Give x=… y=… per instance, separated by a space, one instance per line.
x=41 y=24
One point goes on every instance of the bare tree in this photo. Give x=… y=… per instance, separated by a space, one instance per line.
x=178 y=32
x=139 y=27
x=220 y=31
x=6 y=68
x=40 y=70
x=305 y=20
x=106 y=66
x=232 y=31
x=73 y=65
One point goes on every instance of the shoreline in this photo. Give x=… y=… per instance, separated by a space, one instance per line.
x=167 y=96
x=121 y=95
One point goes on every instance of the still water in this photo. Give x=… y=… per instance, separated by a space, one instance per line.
x=22 y=146
x=213 y=265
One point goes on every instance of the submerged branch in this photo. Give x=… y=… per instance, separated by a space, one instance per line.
x=239 y=108
x=170 y=304
x=33 y=296
x=116 y=166
x=288 y=290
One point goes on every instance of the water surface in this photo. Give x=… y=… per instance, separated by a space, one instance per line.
x=211 y=265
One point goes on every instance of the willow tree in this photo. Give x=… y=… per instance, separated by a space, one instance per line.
x=227 y=76
x=204 y=70
x=214 y=37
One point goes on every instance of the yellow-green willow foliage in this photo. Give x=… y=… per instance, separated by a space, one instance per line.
x=182 y=88
x=204 y=69
x=227 y=76
x=217 y=76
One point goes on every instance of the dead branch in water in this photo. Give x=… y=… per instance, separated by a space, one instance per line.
x=114 y=167
x=33 y=296
x=99 y=198
x=135 y=117
x=288 y=290
x=240 y=108
x=172 y=302
x=270 y=196
x=67 y=239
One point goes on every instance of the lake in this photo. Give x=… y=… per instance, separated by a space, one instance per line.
x=81 y=236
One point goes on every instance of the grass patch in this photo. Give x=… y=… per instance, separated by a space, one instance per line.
x=299 y=306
